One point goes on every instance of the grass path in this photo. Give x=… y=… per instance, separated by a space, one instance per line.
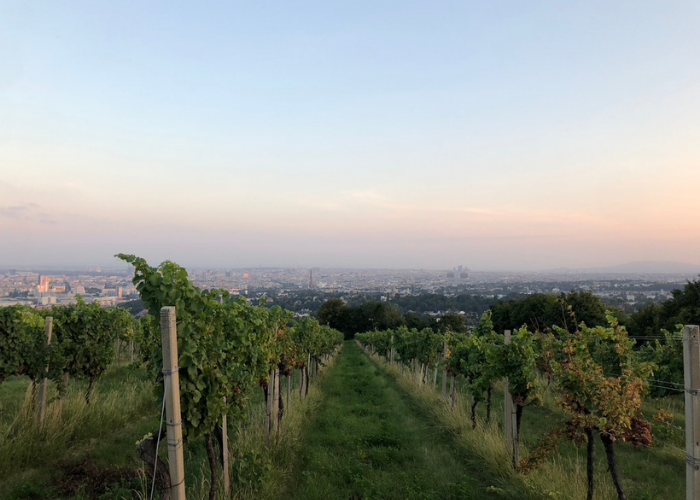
x=368 y=440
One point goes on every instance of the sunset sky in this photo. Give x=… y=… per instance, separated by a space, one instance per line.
x=405 y=134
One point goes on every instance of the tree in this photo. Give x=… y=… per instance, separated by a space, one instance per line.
x=452 y=322
x=667 y=357
x=334 y=313
x=647 y=322
x=684 y=307
x=540 y=312
x=537 y=312
x=586 y=308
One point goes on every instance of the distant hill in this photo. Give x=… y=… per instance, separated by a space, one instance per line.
x=648 y=267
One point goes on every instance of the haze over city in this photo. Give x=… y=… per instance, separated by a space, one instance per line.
x=498 y=135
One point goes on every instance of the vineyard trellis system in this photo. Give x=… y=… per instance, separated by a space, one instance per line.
x=223 y=350
x=598 y=376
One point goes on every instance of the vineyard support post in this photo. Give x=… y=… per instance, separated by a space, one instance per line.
x=268 y=407
x=444 y=371
x=224 y=455
x=43 y=389
x=173 y=415
x=279 y=405
x=691 y=368
x=307 y=375
x=508 y=422
x=301 y=383
x=274 y=380
x=289 y=389
x=131 y=351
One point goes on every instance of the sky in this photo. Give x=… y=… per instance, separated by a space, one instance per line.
x=495 y=134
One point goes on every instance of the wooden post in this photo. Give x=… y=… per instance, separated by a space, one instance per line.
x=435 y=378
x=224 y=455
x=173 y=415
x=691 y=368
x=268 y=407
x=508 y=417
x=391 y=351
x=444 y=372
x=280 y=403
x=453 y=389
x=44 y=388
x=289 y=389
x=275 y=400
x=301 y=383
x=131 y=350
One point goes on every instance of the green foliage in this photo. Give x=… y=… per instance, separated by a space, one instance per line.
x=469 y=357
x=452 y=323
x=540 y=312
x=22 y=343
x=122 y=323
x=312 y=338
x=601 y=383
x=250 y=469
x=147 y=336
x=647 y=322
x=424 y=345
x=82 y=341
x=370 y=315
x=226 y=346
x=667 y=356
x=84 y=338
x=517 y=361
x=333 y=313
x=683 y=308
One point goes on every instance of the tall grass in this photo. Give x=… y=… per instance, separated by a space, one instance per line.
x=68 y=424
x=259 y=472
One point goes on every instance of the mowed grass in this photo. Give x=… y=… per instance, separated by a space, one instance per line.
x=368 y=441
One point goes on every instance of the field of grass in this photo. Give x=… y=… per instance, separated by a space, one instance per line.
x=89 y=452
x=81 y=451
x=369 y=439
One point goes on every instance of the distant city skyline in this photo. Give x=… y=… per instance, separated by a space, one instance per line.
x=629 y=268
x=495 y=135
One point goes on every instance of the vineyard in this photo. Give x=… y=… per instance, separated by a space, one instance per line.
x=581 y=386
x=234 y=360
x=266 y=406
